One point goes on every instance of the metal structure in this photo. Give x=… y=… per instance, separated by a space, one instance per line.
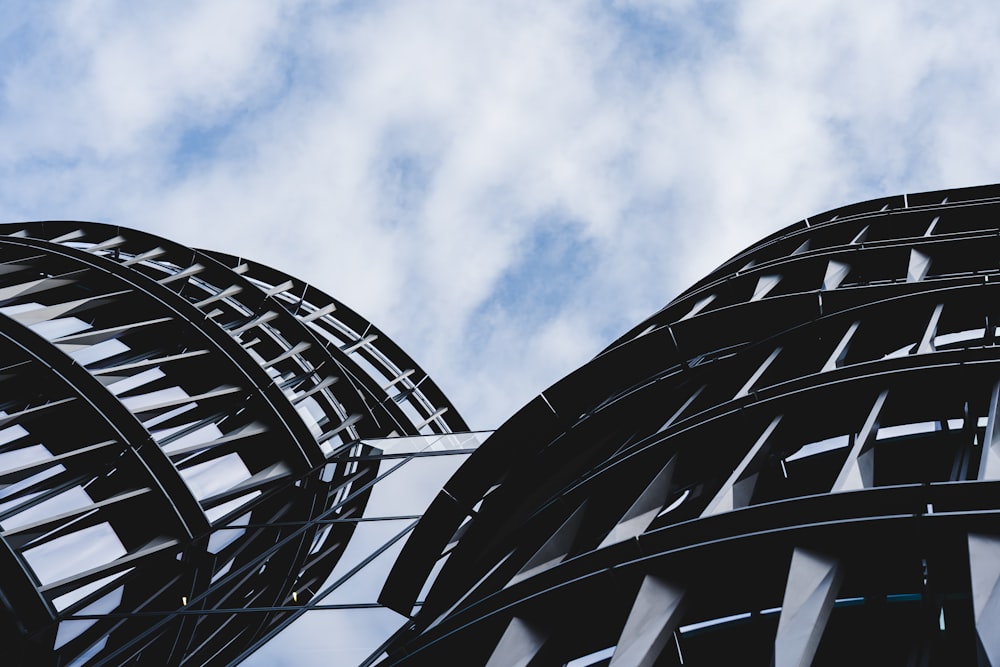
x=795 y=462
x=184 y=445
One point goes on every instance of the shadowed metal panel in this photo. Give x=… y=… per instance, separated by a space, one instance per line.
x=830 y=390
x=181 y=462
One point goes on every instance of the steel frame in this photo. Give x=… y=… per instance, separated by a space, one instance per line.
x=797 y=461
x=176 y=429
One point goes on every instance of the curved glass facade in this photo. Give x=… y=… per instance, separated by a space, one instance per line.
x=794 y=462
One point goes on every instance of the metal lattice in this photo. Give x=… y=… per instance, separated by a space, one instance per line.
x=795 y=462
x=182 y=453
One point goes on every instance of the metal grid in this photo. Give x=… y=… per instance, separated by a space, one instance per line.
x=181 y=438
x=797 y=457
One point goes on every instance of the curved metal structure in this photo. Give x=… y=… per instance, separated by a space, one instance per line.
x=180 y=440
x=795 y=462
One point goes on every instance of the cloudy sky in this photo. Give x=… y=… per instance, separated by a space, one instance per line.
x=503 y=187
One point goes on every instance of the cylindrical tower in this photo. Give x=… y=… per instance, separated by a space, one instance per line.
x=179 y=431
x=795 y=462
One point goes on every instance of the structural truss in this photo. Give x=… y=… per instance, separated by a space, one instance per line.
x=795 y=462
x=185 y=445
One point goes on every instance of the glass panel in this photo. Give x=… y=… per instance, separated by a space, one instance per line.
x=819 y=447
x=958 y=337
x=70 y=499
x=69 y=630
x=20 y=308
x=887 y=432
x=12 y=433
x=429 y=443
x=143 y=401
x=91 y=547
x=365 y=585
x=61 y=326
x=411 y=487
x=24 y=484
x=99 y=351
x=221 y=572
x=367 y=539
x=216 y=513
x=206 y=433
x=312 y=414
x=223 y=537
x=67 y=600
x=137 y=380
x=328 y=637
x=212 y=477
x=105 y=604
x=15 y=458
x=151 y=422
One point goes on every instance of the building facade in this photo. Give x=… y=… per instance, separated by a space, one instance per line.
x=795 y=462
x=185 y=445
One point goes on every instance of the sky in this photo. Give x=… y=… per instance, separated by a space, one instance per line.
x=502 y=187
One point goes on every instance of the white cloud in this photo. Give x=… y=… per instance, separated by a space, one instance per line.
x=408 y=157
x=403 y=156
